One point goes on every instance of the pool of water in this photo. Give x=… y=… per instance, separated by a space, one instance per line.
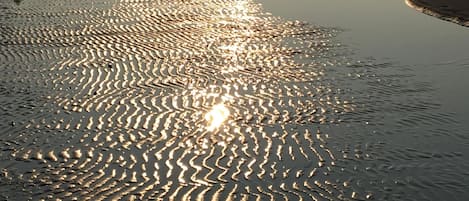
x=435 y=51
x=392 y=31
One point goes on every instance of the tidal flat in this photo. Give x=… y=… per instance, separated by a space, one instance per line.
x=228 y=99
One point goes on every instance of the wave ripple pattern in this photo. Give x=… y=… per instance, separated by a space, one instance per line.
x=196 y=100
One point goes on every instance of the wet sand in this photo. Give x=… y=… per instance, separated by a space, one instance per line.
x=456 y=11
x=206 y=100
x=166 y=100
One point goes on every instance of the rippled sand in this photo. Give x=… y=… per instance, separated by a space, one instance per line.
x=209 y=99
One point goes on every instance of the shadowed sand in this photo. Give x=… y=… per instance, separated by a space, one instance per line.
x=456 y=11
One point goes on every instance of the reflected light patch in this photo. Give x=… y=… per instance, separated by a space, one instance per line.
x=231 y=48
x=216 y=116
x=232 y=69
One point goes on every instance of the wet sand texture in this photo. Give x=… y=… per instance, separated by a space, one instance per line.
x=456 y=11
x=208 y=99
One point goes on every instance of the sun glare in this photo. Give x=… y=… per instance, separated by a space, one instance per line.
x=216 y=116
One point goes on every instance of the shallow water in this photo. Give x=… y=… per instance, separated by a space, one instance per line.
x=211 y=99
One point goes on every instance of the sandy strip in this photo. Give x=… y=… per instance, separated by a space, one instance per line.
x=456 y=11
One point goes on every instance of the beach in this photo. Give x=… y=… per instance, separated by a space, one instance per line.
x=230 y=99
x=452 y=10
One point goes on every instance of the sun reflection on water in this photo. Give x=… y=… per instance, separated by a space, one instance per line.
x=216 y=116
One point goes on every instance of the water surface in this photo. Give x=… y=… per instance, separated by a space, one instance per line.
x=213 y=99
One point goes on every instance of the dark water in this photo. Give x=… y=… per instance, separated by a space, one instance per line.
x=211 y=100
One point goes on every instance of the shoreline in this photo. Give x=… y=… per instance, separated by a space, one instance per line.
x=456 y=11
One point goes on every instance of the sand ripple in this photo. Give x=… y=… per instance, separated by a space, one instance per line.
x=122 y=100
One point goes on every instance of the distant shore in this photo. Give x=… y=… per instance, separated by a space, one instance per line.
x=456 y=11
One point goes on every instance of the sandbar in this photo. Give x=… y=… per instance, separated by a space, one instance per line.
x=456 y=11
